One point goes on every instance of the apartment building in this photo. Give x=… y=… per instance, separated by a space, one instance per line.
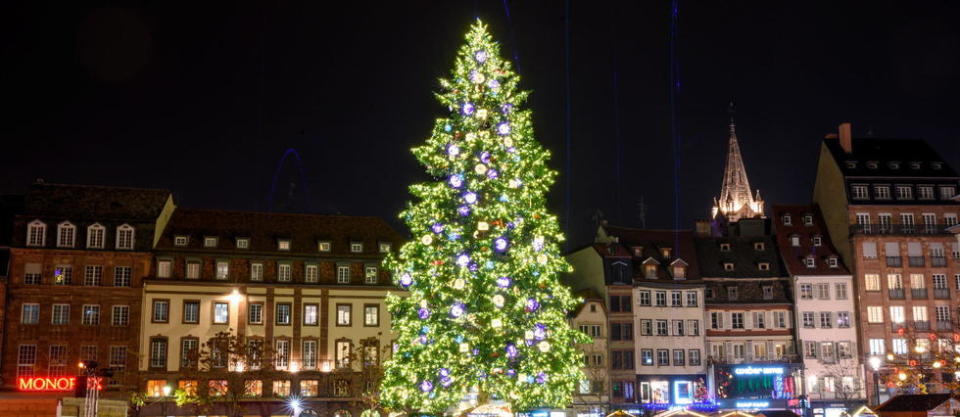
x=593 y=395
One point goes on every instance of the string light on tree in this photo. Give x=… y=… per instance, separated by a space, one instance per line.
x=484 y=309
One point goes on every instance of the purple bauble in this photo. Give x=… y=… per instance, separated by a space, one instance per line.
x=456 y=180
x=503 y=129
x=480 y=56
x=492 y=174
x=423 y=313
x=512 y=351
x=506 y=108
x=485 y=157
x=463 y=211
x=540 y=331
x=532 y=305
x=457 y=310
x=503 y=282
x=437 y=228
x=426 y=386
x=501 y=244
x=467 y=109
x=463 y=260
x=406 y=280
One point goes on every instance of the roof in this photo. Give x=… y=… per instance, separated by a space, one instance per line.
x=794 y=256
x=777 y=413
x=651 y=242
x=884 y=151
x=744 y=255
x=94 y=202
x=265 y=230
x=914 y=402
x=10 y=205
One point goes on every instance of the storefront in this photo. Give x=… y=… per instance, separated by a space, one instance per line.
x=759 y=387
x=660 y=392
x=835 y=408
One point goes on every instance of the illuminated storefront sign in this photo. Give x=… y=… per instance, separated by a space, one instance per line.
x=752 y=404
x=750 y=370
x=62 y=383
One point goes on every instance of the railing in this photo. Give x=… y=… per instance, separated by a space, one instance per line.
x=918 y=293
x=941 y=293
x=921 y=325
x=938 y=260
x=894 y=261
x=944 y=325
x=899 y=229
x=915 y=260
x=897 y=326
x=896 y=294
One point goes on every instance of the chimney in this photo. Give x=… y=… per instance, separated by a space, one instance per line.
x=846 y=139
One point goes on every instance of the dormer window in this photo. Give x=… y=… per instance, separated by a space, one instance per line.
x=936 y=165
x=665 y=252
x=385 y=247
x=283 y=244
x=881 y=192
x=763 y=266
x=66 y=235
x=807 y=220
x=817 y=241
x=859 y=192
x=833 y=262
x=787 y=220
x=181 y=240
x=810 y=262
x=650 y=271
x=679 y=272
x=759 y=246
x=324 y=246
x=915 y=165
x=851 y=164
x=724 y=247
x=356 y=247
x=210 y=242
x=872 y=164
x=95 y=236
x=893 y=164
x=36 y=233
x=243 y=243
x=925 y=192
x=947 y=192
x=728 y=266
x=904 y=192
x=125 y=237
x=794 y=240
x=638 y=251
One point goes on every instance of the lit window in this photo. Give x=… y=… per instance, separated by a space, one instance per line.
x=284 y=272
x=309 y=354
x=180 y=240
x=66 y=234
x=243 y=243
x=808 y=220
x=223 y=269
x=91 y=315
x=309 y=388
x=125 y=237
x=344 y=314
x=817 y=241
x=810 y=262
x=794 y=240
x=36 y=233
x=311 y=274
x=356 y=247
x=256 y=314
x=283 y=244
x=311 y=314
x=370 y=275
x=210 y=242
x=787 y=220
x=283 y=314
x=256 y=272
x=343 y=349
x=371 y=315
x=904 y=192
x=343 y=274
x=833 y=262
x=859 y=192
x=385 y=247
x=61 y=314
x=63 y=275
x=120 y=316
x=324 y=246
x=95 y=234
x=281 y=388
x=221 y=313
x=253 y=388
x=193 y=270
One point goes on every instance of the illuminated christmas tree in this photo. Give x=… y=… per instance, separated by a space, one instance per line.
x=485 y=312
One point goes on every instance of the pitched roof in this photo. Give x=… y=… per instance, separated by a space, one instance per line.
x=265 y=230
x=96 y=202
x=793 y=256
x=652 y=241
x=914 y=402
x=744 y=255
x=884 y=151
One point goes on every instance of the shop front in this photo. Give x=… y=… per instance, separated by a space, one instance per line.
x=661 y=392
x=759 y=387
x=835 y=408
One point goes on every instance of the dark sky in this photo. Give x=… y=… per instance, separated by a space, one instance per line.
x=204 y=99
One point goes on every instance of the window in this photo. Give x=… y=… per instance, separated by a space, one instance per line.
x=881 y=192
x=895 y=281
x=806 y=291
x=925 y=192
x=343 y=348
x=122 y=276
x=125 y=237
x=947 y=192
x=950 y=219
x=88 y=352
x=283 y=314
x=736 y=320
x=943 y=313
x=896 y=314
x=32 y=274
x=663 y=357
x=732 y=293
x=646 y=357
x=780 y=319
x=904 y=192
x=624 y=331
x=759 y=246
x=284 y=272
x=243 y=243
x=679 y=271
x=759 y=320
x=843 y=319
x=370 y=275
x=283 y=244
x=26 y=360
x=221 y=313
x=661 y=298
x=676 y=299
x=877 y=347
x=859 y=192
x=180 y=240
x=693 y=357
x=738 y=351
x=189 y=352
x=692 y=299
x=30 y=313
x=874 y=314
x=661 y=325
x=344 y=314
x=61 y=314
x=356 y=247
x=66 y=234
x=679 y=356
x=309 y=354
x=808 y=321
x=621 y=303
x=939 y=281
x=823 y=291
x=694 y=327
x=220 y=387
x=724 y=247
x=646 y=328
x=645 y=297
x=92 y=275
x=120 y=316
x=716 y=320
x=343 y=274
x=223 y=269
x=650 y=271
x=810 y=261
x=36 y=233
x=810 y=349
x=311 y=314
x=899 y=346
x=91 y=315
x=164 y=268
x=191 y=311
x=210 y=242
x=95 y=236
x=282 y=349
x=826 y=319
x=371 y=315
x=309 y=388
x=311 y=274
x=794 y=240
x=161 y=311
x=323 y=246
x=63 y=275
x=833 y=262
x=728 y=266
x=158 y=353
x=255 y=316
x=256 y=272
x=767 y=292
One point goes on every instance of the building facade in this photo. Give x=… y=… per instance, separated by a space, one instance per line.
x=77 y=258
x=824 y=312
x=887 y=204
x=284 y=304
x=593 y=395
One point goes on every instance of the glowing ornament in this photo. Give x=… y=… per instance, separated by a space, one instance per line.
x=464 y=348
x=476 y=77
x=463 y=211
x=512 y=351
x=437 y=228
x=506 y=108
x=467 y=109
x=538 y=243
x=483 y=226
x=471 y=137
x=493 y=84
x=541 y=378
x=485 y=157
x=480 y=169
x=453 y=151
x=498 y=300
x=492 y=174
x=482 y=114
x=423 y=313
x=507 y=142
x=406 y=280
x=496 y=323
x=540 y=331
x=458 y=283
x=426 y=386
x=443 y=372
x=513 y=150
x=457 y=310
x=446 y=381
x=426 y=239
x=544 y=346
x=503 y=282
x=447 y=127
x=541 y=258
x=480 y=56
x=514 y=183
x=503 y=129
x=532 y=305
x=470 y=197
x=501 y=244
x=528 y=335
x=462 y=260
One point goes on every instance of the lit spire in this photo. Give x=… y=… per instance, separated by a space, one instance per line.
x=736 y=201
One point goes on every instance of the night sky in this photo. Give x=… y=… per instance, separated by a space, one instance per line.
x=205 y=99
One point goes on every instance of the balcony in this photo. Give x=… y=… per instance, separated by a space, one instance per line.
x=915 y=260
x=894 y=261
x=921 y=325
x=896 y=294
x=944 y=325
x=941 y=293
x=938 y=261
x=897 y=326
x=918 y=293
x=899 y=229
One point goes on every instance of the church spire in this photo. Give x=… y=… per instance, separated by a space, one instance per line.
x=736 y=200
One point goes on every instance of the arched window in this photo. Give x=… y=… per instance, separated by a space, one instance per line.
x=95 y=233
x=36 y=233
x=125 y=236
x=66 y=235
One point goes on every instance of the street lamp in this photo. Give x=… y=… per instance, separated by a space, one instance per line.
x=875 y=363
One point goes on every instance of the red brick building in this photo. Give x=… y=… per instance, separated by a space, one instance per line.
x=77 y=258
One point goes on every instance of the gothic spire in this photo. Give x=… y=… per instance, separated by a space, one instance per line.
x=736 y=200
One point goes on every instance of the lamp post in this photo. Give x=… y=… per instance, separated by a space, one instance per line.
x=875 y=363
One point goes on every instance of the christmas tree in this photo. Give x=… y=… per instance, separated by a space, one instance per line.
x=485 y=312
